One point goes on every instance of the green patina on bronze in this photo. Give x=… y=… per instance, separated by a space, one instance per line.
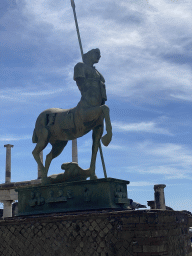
x=73 y=196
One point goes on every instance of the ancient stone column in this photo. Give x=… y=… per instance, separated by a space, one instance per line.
x=8 y=163
x=38 y=167
x=151 y=204
x=7 y=210
x=159 y=196
x=74 y=151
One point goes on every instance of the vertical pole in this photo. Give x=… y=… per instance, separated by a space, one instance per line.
x=8 y=163
x=38 y=167
x=102 y=160
x=77 y=27
x=159 y=196
x=7 y=205
x=74 y=142
x=74 y=151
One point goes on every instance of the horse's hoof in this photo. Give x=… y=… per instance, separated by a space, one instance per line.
x=93 y=177
x=106 y=139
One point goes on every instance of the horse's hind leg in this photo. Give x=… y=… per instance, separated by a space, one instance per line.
x=97 y=133
x=93 y=114
x=57 y=148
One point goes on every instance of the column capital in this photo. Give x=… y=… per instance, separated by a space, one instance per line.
x=159 y=186
x=8 y=146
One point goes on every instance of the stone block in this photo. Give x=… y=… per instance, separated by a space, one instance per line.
x=144 y=233
x=126 y=234
x=137 y=248
x=159 y=233
x=73 y=196
x=153 y=248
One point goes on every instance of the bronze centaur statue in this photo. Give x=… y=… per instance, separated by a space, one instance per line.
x=58 y=126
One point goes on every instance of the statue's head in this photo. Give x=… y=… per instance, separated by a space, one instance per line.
x=92 y=56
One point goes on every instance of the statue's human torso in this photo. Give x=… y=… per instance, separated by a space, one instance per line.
x=93 y=88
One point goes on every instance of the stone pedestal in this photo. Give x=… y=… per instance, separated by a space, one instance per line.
x=159 y=196
x=7 y=210
x=73 y=196
x=151 y=204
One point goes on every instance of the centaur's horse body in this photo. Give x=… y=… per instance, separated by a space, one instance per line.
x=58 y=126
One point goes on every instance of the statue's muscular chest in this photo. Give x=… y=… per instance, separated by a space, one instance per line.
x=91 y=73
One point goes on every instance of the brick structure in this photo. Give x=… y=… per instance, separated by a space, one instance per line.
x=97 y=233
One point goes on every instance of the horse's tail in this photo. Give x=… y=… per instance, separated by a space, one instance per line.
x=34 y=138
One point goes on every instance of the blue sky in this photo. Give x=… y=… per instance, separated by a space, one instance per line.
x=146 y=49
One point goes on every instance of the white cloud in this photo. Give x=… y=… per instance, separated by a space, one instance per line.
x=172 y=161
x=56 y=14
x=143 y=61
x=115 y=147
x=18 y=94
x=185 y=97
x=173 y=152
x=27 y=94
x=139 y=127
x=15 y=137
x=168 y=172
x=140 y=183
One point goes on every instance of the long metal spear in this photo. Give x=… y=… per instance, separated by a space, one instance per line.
x=77 y=27
x=81 y=49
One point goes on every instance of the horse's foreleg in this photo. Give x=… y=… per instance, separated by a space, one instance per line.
x=36 y=154
x=106 y=139
x=57 y=148
x=97 y=133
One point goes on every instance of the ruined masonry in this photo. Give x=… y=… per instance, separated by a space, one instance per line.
x=119 y=233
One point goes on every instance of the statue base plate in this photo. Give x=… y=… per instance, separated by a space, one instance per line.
x=96 y=194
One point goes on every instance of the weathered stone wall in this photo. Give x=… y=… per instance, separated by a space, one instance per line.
x=123 y=233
